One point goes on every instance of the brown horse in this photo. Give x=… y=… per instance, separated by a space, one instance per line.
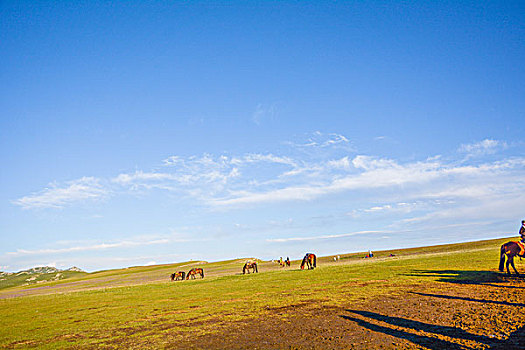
x=510 y=249
x=178 y=275
x=250 y=265
x=284 y=263
x=309 y=260
x=195 y=271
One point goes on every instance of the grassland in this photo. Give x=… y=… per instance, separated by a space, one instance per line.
x=139 y=307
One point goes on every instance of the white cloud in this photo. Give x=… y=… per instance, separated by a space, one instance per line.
x=482 y=148
x=342 y=163
x=322 y=140
x=430 y=178
x=139 y=176
x=86 y=188
x=253 y=178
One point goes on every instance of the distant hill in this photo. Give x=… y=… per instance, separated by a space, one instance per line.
x=37 y=275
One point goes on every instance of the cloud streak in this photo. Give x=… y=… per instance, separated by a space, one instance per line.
x=92 y=247
x=85 y=188
x=315 y=238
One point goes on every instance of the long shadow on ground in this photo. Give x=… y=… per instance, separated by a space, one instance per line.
x=507 y=303
x=515 y=341
x=427 y=341
x=487 y=278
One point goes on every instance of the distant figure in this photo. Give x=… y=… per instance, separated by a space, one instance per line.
x=522 y=231
x=370 y=254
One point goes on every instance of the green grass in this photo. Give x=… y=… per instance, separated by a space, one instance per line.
x=151 y=312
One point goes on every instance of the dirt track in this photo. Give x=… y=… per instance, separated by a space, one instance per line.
x=449 y=314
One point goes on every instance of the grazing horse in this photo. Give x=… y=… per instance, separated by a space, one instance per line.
x=310 y=260
x=195 y=271
x=250 y=265
x=178 y=275
x=285 y=262
x=511 y=249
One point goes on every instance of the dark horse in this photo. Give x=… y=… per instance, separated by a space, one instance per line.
x=195 y=271
x=510 y=249
x=250 y=265
x=310 y=260
x=178 y=275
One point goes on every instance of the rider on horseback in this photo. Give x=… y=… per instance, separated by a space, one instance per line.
x=522 y=231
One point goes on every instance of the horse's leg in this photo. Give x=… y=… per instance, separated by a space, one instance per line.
x=509 y=259
x=514 y=267
x=502 y=258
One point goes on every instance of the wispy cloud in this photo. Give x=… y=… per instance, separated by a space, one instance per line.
x=300 y=239
x=86 y=188
x=319 y=139
x=227 y=181
x=93 y=247
x=263 y=112
x=430 y=178
x=482 y=148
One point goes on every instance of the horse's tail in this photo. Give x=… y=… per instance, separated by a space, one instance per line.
x=188 y=274
x=502 y=257
x=256 y=270
x=244 y=269
x=183 y=274
x=202 y=273
x=172 y=276
x=315 y=260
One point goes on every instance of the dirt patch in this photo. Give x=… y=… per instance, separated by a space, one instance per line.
x=450 y=314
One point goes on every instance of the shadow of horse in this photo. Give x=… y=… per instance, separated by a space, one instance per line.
x=486 y=278
x=486 y=301
x=429 y=342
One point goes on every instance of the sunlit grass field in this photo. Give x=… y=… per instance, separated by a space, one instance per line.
x=142 y=306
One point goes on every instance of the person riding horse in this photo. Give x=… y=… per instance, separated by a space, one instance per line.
x=522 y=231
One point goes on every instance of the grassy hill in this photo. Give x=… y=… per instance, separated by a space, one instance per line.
x=37 y=275
x=139 y=305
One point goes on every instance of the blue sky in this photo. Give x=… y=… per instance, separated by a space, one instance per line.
x=155 y=132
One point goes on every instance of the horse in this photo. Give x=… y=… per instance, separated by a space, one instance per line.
x=193 y=272
x=250 y=265
x=510 y=249
x=179 y=274
x=284 y=263
x=309 y=260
